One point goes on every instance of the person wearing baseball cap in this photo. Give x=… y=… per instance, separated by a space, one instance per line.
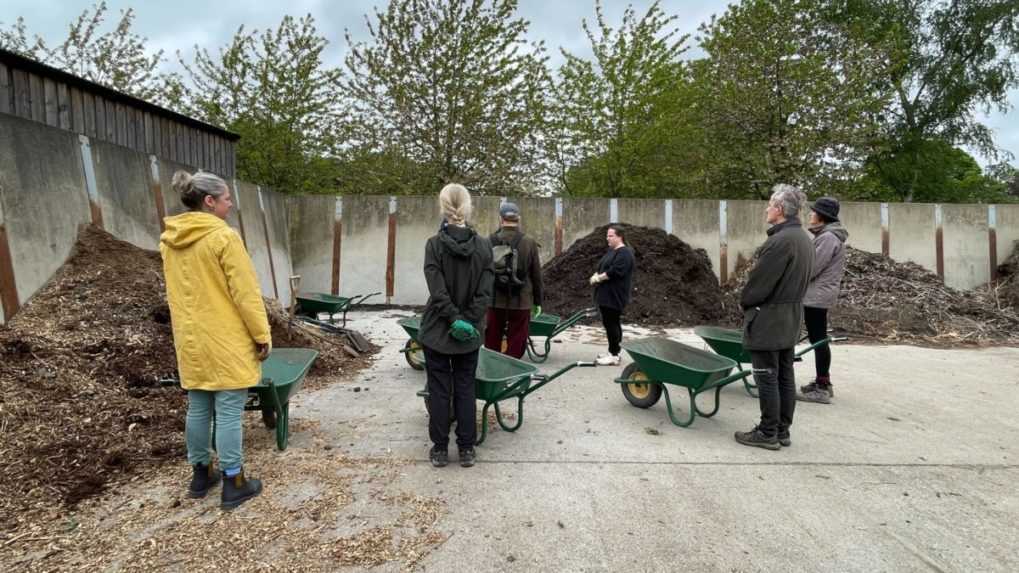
x=823 y=292
x=518 y=287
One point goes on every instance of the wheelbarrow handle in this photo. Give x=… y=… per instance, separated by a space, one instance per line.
x=543 y=379
x=822 y=342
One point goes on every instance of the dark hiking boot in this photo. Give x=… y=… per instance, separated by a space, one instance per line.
x=203 y=479
x=438 y=457
x=467 y=457
x=818 y=395
x=238 y=489
x=815 y=385
x=756 y=439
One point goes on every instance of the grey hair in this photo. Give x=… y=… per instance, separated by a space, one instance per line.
x=788 y=197
x=194 y=188
x=455 y=203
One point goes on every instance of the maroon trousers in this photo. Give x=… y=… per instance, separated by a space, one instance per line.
x=511 y=324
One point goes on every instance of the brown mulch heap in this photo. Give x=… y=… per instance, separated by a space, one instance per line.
x=1008 y=280
x=87 y=378
x=904 y=302
x=673 y=284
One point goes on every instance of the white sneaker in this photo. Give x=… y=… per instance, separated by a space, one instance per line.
x=607 y=360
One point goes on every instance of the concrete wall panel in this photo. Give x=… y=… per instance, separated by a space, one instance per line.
x=43 y=202
x=967 y=256
x=123 y=181
x=747 y=229
x=247 y=198
x=365 y=233
x=863 y=220
x=311 y=240
x=1007 y=230
x=581 y=216
x=276 y=206
x=643 y=212
x=537 y=219
x=911 y=234
x=417 y=219
x=695 y=221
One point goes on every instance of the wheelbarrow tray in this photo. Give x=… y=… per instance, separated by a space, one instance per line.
x=548 y=326
x=283 y=374
x=725 y=341
x=312 y=303
x=544 y=325
x=411 y=325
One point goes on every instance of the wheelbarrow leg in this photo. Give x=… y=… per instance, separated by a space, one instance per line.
x=484 y=424
x=750 y=387
x=672 y=416
x=282 y=419
x=534 y=354
x=718 y=391
x=520 y=416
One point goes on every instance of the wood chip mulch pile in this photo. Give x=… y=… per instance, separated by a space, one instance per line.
x=87 y=398
x=890 y=301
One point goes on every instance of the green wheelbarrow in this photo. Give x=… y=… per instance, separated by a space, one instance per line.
x=283 y=373
x=499 y=377
x=659 y=362
x=310 y=304
x=412 y=350
x=728 y=342
x=548 y=326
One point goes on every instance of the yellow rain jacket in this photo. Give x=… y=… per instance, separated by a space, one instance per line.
x=215 y=304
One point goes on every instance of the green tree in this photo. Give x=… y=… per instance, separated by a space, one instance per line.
x=786 y=94
x=273 y=89
x=618 y=116
x=116 y=58
x=451 y=87
x=946 y=60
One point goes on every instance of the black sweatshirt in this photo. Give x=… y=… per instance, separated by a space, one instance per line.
x=618 y=264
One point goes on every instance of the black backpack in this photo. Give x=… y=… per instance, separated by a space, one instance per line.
x=507 y=263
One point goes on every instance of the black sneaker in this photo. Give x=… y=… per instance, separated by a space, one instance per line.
x=467 y=457
x=203 y=479
x=758 y=440
x=439 y=458
x=784 y=441
x=807 y=389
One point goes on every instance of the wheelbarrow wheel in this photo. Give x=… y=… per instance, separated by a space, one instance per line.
x=641 y=392
x=415 y=354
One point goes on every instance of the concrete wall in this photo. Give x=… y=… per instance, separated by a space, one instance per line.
x=43 y=200
x=42 y=203
x=122 y=176
x=911 y=230
x=863 y=220
x=311 y=240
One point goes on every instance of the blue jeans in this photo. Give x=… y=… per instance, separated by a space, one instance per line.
x=228 y=406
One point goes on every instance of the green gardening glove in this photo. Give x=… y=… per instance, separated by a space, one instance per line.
x=536 y=311
x=463 y=331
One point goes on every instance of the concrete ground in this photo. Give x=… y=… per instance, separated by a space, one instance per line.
x=912 y=468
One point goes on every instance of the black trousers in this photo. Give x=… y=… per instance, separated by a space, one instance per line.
x=610 y=318
x=451 y=375
x=776 y=389
x=817 y=328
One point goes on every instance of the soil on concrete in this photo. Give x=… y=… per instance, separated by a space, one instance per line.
x=1008 y=280
x=673 y=284
x=903 y=302
x=88 y=390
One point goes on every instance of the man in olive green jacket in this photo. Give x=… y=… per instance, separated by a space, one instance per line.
x=772 y=302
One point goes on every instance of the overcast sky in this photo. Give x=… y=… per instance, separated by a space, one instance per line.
x=180 y=24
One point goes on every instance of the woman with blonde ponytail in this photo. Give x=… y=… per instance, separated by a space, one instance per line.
x=460 y=275
x=220 y=330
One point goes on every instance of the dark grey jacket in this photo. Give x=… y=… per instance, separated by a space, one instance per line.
x=772 y=299
x=459 y=273
x=829 y=266
x=530 y=293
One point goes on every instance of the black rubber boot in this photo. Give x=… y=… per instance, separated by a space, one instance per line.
x=203 y=479
x=238 y=489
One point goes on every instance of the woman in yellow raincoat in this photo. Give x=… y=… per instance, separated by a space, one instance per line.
x=220 y=330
